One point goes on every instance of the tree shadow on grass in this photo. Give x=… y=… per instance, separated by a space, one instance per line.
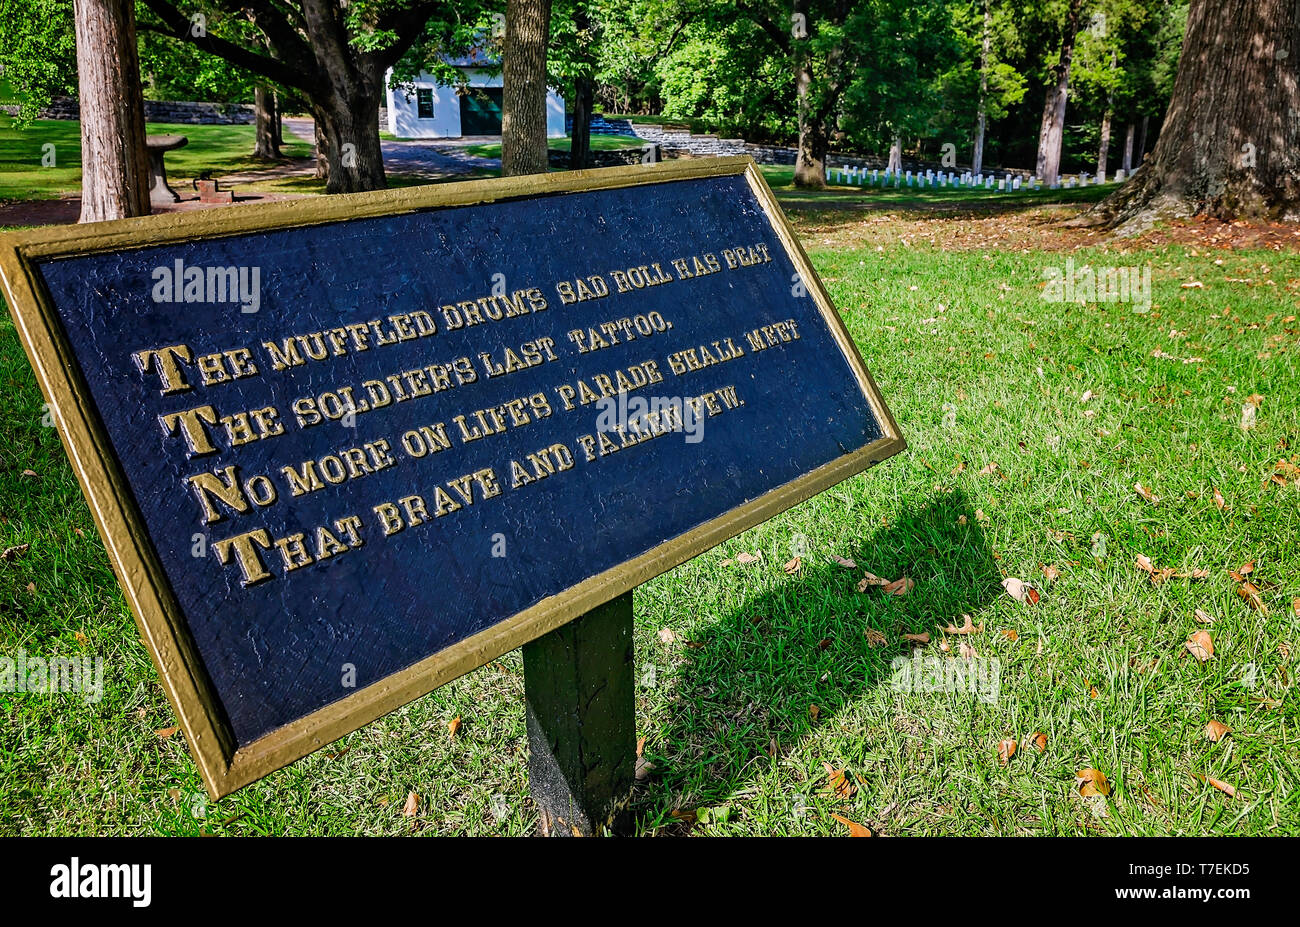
x=741 y=692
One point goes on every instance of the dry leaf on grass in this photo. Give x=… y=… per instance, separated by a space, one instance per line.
x=1250 y=592
x=855 y=829
x=453 y=727
x=1200 y=645
x=1050 y=573
x=1010 y=634
x=923 y=638
x=1223 y=787
x=412 y=806
x=989 y=469
x=1039 y=740
x=1204 y=617
x=1218 y=500
x=666 y=636
x=792 y=566
x=746 y=557
x=967 y=628
x=814 y=713
x=966 y=650
x=869 y=580
x=838 y=783
x=1216 y=731
x=875 y=638
x=899 y=587
x=1021 y=591
x=13 y=553
x=166 y=732
x=1091 y=782
x=1006 y=750
x=844 y=562
x=1146 y=493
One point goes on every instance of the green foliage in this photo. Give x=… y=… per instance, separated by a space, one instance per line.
x=38 y=55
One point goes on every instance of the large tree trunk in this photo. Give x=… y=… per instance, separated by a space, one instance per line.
x=895 y=165
x=523 y=112
x=266 y=147
x=584 y=99
x=1104 y=149
x=115 y=162
x=1128 y=149
x=1230 y=143
x=348 y=130
x=810 y=161
x=1052 y=135
x=981 y=118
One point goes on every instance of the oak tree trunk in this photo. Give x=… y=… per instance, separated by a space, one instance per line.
x=1230 y=143
x=523 y=111
x=584 y=99
x=895 y=165
x=1052 y=135
x=1104 y=149
x=1127 y=164
x=266 y=147
x=977 y=157
x=115 y=162
x=810 y=160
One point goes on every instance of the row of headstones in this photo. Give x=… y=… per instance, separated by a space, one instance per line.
x=861 y=177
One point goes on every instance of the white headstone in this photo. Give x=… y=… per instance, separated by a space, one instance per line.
x=1119 y=175
x=1015 y=184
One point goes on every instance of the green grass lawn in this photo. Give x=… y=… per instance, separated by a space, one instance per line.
x=598 y=143
x=980 y=370
x=25 y=173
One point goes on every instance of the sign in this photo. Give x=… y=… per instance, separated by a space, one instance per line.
x=344 y=450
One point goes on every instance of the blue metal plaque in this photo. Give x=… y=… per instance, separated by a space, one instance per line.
x=353 y=446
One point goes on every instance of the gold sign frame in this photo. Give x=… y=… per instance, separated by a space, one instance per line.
x=224 y=767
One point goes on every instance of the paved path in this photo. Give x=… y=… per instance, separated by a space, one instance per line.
x=429 y=159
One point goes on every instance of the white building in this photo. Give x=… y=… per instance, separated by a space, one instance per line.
x=432 y=110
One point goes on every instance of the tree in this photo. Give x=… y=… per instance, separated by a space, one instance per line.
x=523 y=109
x=38 y=54
x=1051 y=136
x=574 y=62
x=1230 y=145
x=335 y=54
x=114 y=161
x=981 y=79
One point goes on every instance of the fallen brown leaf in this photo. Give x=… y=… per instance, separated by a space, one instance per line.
x=900 y=587
x=13 y=553
x=1020 y=590
x=844 y=562
x=1218 y=784
x=1200 y=645
x=166 y=732
x=871 y=579
x=989 y=469
x=1218 y=500
x=814 y=713
x=855 y=829
x=1051 y=573
x=1204 y=617
x=1039 y=740
x=746 y=557
x=838 y=783
x=453 y=727
x=1091 y=782
x=875 y=638
x=1216 y=730
x=1006 y=750
x=1146 y=494
x=792 y=566
x=412 y=806
x=924 y=637
x=967 y=628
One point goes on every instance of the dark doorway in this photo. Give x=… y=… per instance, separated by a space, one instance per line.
x=480 y=111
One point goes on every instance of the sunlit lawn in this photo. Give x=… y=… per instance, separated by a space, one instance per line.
x=980 y=371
